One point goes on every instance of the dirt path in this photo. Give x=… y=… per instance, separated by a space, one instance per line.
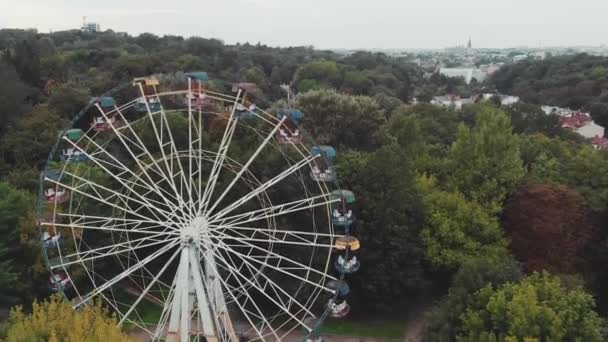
x=416 y=325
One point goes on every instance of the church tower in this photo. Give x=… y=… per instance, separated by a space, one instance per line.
x=469 y=45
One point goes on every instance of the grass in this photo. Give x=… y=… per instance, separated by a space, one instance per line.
x=148 y=311
x=382 y=329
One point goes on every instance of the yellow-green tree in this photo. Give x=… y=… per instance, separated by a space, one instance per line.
x=55 y=320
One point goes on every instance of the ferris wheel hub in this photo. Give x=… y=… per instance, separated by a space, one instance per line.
x=196 y=231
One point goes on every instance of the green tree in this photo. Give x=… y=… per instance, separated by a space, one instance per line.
x=445 y=322
x=484 y=162
x=599 y=113
x=388 y=213
x=14 y=205
x=341 y=120
x=55 y=320
x=456 y=230
x=68 y=99
x=540 y=306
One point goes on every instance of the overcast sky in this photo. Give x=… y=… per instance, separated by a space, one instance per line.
x=332 y=23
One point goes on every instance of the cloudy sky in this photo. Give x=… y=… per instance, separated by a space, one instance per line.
x=332 y=23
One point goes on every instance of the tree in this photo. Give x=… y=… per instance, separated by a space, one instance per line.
x=549 y=227
x=14 y=205
x=445 y=321
x=483 y=163
x=599 y=113
x=13 y=95
x=388 y=214
x=341 y=120
x=527 y=118
x=67 y=99
x=540 y=306
x=456 y=230
x=55 y=320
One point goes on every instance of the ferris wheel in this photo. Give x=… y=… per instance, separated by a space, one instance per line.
x=195 y=214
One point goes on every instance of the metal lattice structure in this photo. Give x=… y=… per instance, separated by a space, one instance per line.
x=195 y=214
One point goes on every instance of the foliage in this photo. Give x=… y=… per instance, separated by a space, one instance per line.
x=538 y=307
x=15 y=205
x=445 y=321
x=389 y=208
x=341 y=120
x=456 y=230
x=484 y=163
x=55 y=320
x=548 y=226
x=573 y=81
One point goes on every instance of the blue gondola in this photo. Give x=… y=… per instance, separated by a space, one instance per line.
x=104 y=102
x=245 y=113
x=153 y=104
x=200 y=76
x=73 y=155
x=54 y=175
x=323 y=166
x=342 y=212
x=289 y=131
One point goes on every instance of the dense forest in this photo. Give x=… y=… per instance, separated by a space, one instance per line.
x=495 y=214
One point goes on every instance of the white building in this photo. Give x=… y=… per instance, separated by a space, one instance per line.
x=451 y=101
x=505 y=100
x=590 y=130
x=90 y=27
x=519 y=58
x=467 y=73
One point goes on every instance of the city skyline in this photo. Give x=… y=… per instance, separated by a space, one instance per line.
x=385 y=24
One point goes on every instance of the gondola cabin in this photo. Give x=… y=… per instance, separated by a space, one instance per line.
x=105 y=102
x=347 y=261
x=152 y=103
x=342 y=211
x=51 y=240
x=59 y=280
x=289 y=131
x=73 y=155
x=199 y=100
x=104 y=124
x=56 y=194
x=246 y=88
x=323 y=166
x=74 y=134
x=200 y=77
x=337 y=305
x=146 y=84
x=245 y=112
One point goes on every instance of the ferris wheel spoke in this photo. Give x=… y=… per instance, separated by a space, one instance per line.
x=127 y=272
x=108 y=229
x=260 y=189
x=124 y=198
x=106 y=249
x=273 y=254
x=237 y=275
x=98 y=219
x=275 y=211
x=281 y=235
x=113 y=174
x=150 y=285
x=220 y=156
x=173 y=149
x=140 y=145
x=102 y=200
x=279 y=292
x=244 y=291
x=247 y=164
x=161 y=145
x=113 y=252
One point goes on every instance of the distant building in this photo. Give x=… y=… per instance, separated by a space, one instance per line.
x=505 y=100
x=89 y=27
x=452 y=101
x=582 y=124
x=519 y=58
x=467 y=73
x=469 y=45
